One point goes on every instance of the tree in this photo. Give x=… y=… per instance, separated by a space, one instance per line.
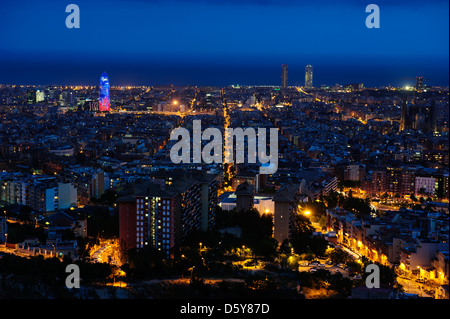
x=332 y=199
x=338 y=256
x=103 y=222
x=355 y=266
x=145 y=263
x=256 y=231
x=302 y=239
x=358 y=206
x=285 y=247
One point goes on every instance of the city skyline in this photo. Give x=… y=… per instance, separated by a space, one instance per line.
x=306 y=82
x=258 y=150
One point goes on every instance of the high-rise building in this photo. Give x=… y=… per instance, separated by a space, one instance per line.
x=418 y=116
x=40 y=96
x=308 y=77
x=67 y=98
x=404 y=116
x=379 y=182
x=103 y=97
x=149 y=218
x=354 y=172
x=285 y=202
x=419 y=83
x=161 y=214
x=284 y=76
x=31 y=96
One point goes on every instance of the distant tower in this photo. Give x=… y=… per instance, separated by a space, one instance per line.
x=31 y=96
x=284 y=76
x=103 y=97
x=419 y=83
x=308 y=77
x=404 y=117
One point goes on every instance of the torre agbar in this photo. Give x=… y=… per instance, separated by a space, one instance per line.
x=103 y=98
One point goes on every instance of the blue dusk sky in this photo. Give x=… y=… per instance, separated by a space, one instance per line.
x=213 y=42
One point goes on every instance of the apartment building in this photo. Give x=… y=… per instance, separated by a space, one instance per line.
x=160 y=215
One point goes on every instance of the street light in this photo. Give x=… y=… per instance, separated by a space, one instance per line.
x=192 y=270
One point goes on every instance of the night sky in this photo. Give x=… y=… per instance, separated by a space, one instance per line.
x=212 y=42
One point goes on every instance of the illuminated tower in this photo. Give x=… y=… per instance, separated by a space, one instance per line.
x=284 y=76
x=103 y=97
x=308 y=76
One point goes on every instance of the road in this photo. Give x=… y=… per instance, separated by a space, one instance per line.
x=107 y=252
x=98 y=255
x=352 y=253
x=412 y=287
x=23 y=253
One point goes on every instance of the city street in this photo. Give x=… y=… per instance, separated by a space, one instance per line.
x=412 y=287
x=107 y=252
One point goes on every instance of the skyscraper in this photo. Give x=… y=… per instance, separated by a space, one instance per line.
x=404 y=115
x=419 y=83
x=31 y=96
x=40 y=96
x=160 y=215
x=103 y=98
x=420 y=116
x=308 y=77
x=284 y=76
